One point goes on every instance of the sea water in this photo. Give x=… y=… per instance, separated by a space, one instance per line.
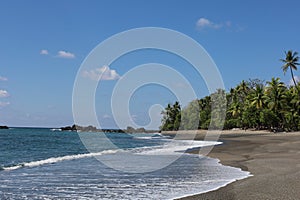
x=52 y=164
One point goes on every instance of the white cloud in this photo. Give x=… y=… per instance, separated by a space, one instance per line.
x=103 y=73
x=65 y=54
x=3 y=104
x=291 y=82
x=203 y=23
x=44 y=52
x=3 y=93
x=3 y=78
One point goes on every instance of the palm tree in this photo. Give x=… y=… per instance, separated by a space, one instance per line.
x=177 y=115
x=290 y=62
x=171 y=117
x=235 y=109
x=275 y=93
x=243 y=88
x=257 y=98
x=166 y=120
x=292 y=109
x=254 y=105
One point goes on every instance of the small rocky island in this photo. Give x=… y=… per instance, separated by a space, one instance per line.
x=94 y=129
x=4 y=127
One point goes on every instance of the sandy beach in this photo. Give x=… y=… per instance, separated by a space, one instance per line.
x=272 y=158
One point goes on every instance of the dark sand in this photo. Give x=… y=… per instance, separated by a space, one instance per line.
x=272 y=159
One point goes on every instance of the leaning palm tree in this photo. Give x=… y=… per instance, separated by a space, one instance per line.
x=290 y=62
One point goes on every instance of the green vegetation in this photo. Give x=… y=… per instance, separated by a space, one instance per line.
x=290 y=62
x=255 y=104
x=171 y=117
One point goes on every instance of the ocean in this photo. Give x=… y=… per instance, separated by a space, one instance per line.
x=42 y=163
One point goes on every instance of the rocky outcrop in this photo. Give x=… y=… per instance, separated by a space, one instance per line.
x=4 y=127
x=94 y=129
x=90 y=129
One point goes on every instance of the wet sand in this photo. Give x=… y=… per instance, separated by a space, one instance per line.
x=272 y=158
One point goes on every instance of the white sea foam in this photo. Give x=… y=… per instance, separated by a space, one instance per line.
x=143 y=138
x=177 y=146
x=208 y=175
x=186 y=176
x=56 y=129
x=58 y=159
x=153 y=136
x=171 y=147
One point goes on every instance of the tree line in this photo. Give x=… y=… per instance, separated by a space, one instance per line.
x=258 y=104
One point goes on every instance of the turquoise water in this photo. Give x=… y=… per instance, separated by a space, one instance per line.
x=50 y=164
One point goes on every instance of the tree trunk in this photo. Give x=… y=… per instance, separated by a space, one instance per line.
x=295 y=84
x=293 y=76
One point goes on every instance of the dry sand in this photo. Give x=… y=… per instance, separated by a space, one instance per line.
x=272 y=158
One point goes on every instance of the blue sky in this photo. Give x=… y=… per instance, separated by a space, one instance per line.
x=43 y=43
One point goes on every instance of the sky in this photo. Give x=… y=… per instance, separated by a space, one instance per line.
x=44 y=43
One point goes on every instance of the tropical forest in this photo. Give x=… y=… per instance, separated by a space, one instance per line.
x=252 y=104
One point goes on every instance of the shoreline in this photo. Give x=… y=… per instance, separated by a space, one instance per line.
x=272 y=159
